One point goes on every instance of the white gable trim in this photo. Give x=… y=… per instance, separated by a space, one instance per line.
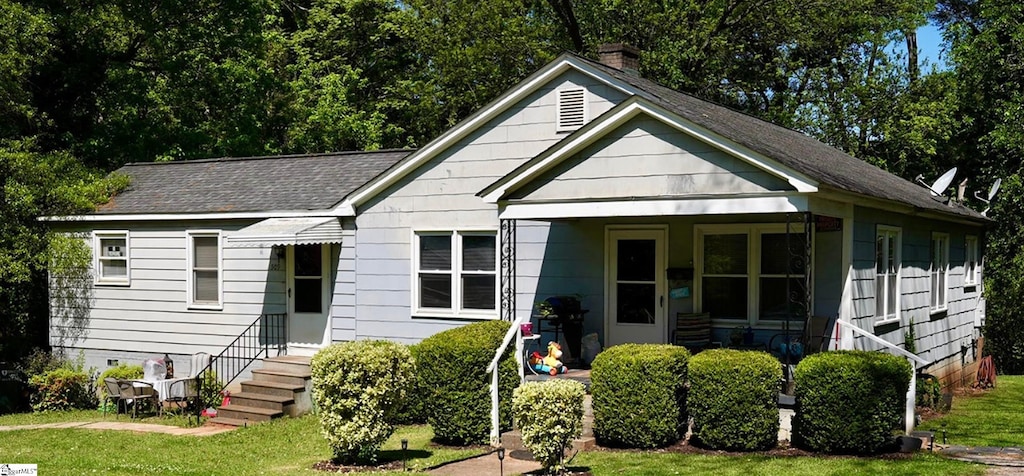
x=704 y=205
x=629 y=109
x=453 y=135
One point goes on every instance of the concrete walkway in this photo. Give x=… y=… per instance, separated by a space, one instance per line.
x=989 y=455
x=126 y=426
x=485 y=465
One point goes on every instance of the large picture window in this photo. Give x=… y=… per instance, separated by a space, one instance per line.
x=939 y=269
x=887 y=274
x=111 y=257
x=456 y=273
x=204 y=270
x=752 y=273
x=971 y=268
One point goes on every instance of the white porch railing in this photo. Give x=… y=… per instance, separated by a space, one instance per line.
x=843 y=339
x=513 y=333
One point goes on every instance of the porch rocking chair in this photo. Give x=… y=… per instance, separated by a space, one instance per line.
x=693 y=331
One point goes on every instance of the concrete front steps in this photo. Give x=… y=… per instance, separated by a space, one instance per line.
x=281 y=387
x=513 y=440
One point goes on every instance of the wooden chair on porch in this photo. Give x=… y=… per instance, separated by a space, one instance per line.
x=693 y=331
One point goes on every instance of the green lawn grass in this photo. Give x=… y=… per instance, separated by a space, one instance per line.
x=659 y=463
x=285 y=446
x=168 y=418
x=992 y=418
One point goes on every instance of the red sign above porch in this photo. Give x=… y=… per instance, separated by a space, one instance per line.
x=824 y=223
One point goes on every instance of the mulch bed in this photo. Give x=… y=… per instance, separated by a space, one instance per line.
x=340 y=468
x=781 y=451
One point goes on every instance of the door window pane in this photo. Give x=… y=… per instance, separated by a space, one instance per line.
x=725 y=254
x=309 y=295
x=636 y=303
x=636 y=260
x=308 y=260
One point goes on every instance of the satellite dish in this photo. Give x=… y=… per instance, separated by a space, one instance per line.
x=991 y=194
x=940 y=185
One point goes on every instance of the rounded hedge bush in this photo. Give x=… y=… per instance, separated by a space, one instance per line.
x=850 y=402
x=733 y=399
x=358 y=387
x=639 y=395
x=452 y=372
x=414 y=409
x=549 y=415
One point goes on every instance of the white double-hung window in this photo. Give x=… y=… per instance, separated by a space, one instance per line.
x=752 y=272
x=111 y=257
x=455 y=274
x=971 y=268
x=939 y=270
x=204 y=270
x=887 y=274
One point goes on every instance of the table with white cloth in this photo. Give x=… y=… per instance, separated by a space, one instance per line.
x=164 y=388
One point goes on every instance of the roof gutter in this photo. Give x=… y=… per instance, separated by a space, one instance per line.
x=336 y=212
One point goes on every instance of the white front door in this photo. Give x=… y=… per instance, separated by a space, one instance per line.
x=635 y=271
x=309 y=298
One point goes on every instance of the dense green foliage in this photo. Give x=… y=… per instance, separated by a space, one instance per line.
x=850 y=401
x=121 y=372
x=414 y=408
x=451 y=367
x=549 y=415
x=62 y=389
x=732 y=399
x=358 y=387
x=639 y=395
x=87 y=87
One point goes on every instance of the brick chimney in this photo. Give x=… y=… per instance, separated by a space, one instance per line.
x=620 y=56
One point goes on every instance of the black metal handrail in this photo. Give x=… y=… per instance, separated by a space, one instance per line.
x=266 y=333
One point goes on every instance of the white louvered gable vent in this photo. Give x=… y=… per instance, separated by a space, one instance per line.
x=572 y=109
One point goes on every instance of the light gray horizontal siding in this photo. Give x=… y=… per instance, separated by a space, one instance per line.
x=939 y=335
x=441 y=195
x=152 y=315
x=646 y=158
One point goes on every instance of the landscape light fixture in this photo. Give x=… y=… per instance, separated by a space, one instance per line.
x=501 y=461
x=405 y=446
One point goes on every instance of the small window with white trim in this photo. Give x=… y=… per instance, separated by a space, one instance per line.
x=572 y=109
x=111 y=257
x=455 y=274
x=887 y=274
x=939 y=269
x=204 y=270
x=971 y=260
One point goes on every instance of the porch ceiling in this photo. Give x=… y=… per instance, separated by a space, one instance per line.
x=693 y=205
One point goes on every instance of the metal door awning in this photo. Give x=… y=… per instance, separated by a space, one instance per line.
x=288 y=231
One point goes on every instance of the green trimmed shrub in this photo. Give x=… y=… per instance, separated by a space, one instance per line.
x=358 y=387
x=733 y=399
x=639 y=395
x=452 y=371
x=414 y=409
x=122 y=372
x=850 y=402
x=62 y=389
x=550 y=416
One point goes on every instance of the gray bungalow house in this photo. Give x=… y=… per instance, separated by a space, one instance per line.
x=584 y=179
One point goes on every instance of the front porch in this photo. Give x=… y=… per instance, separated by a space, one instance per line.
x=757 y=276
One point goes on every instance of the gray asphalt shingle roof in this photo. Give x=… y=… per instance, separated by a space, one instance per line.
x=804 y=154
x=289 y=182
